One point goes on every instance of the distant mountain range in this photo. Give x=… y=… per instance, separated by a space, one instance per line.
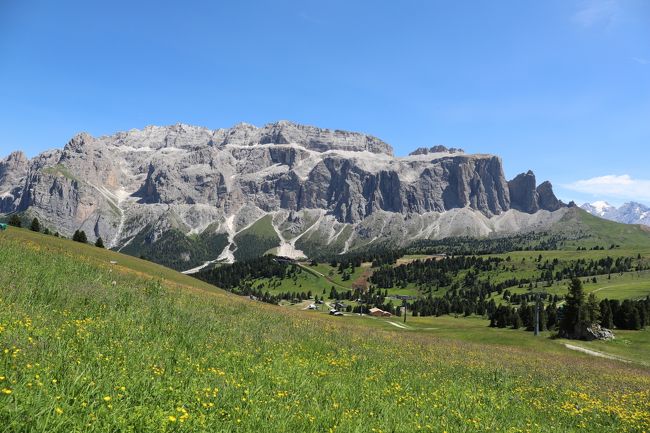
x=182 y=195
x=629 y=213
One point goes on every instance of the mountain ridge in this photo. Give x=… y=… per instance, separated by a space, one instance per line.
x=319 y=186
x=628 y=213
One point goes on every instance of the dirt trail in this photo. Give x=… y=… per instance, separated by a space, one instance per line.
x=595 y=353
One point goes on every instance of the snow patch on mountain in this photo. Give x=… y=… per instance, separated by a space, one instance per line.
x=628 y=213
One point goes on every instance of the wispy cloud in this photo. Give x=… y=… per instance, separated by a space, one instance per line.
x=622 y=187
x=641 y=60
x=597 y=12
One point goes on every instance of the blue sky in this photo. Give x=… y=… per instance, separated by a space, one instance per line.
x=561 y=87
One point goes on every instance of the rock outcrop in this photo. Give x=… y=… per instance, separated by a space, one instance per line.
x=435 y=149
x=527 y=197
x=190 y=179
x=597 y=332
x=588 y=333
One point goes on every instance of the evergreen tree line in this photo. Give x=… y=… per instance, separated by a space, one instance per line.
x=474 y=300
x=231 y=276
x=378 y=257
x=35 y=226
x=542 y=241
x=629 y=314
x=524 y=316
x=578 y=313
x=432 y=272
x=558 y=271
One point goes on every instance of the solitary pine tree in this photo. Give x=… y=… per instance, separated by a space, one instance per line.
x=573 y=310
x=99 y=242
x=36 y=226
x=15 y=221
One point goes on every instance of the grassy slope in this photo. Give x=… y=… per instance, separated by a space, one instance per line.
x=78 y=353
x=256 y=240
x=598 y=231
x=176 y=250
x=100 y=257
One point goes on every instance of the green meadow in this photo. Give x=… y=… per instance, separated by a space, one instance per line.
x=91 y=346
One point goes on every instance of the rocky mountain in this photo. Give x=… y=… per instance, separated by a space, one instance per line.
x=183 y=194
x=628 y=213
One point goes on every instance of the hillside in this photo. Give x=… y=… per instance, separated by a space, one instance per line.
x=589 y=230
x=90 y=346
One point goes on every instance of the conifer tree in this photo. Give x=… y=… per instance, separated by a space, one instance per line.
x=15 y=221
x=35 y=226
x=574 y=310
x=80 y=236
x=606 y=316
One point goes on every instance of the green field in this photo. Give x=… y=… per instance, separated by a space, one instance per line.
x=94 y=347
x=629 y=285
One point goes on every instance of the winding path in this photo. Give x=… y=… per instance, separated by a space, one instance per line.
x=595 y=353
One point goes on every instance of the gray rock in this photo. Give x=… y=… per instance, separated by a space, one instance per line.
x=546 y=198
x=435 y=149
x=523 y=193
x=13 y=171
x=588 y=333
x=596 y=332
x=191 y=178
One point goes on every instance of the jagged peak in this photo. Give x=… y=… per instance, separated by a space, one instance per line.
x=634 y=204
x=439 y=148
x=243 y=125
x=80 y=140
x=281 y=132
x=16 y=156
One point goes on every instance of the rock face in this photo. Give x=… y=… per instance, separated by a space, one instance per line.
x=546 y=198
x=320 y=181
x=13 y=171
x=527 y=197
x=435 y=149
x=523 y=192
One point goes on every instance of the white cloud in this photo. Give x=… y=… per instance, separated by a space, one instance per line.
x=597 y=12
x=622 y=187
x=641 y=60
